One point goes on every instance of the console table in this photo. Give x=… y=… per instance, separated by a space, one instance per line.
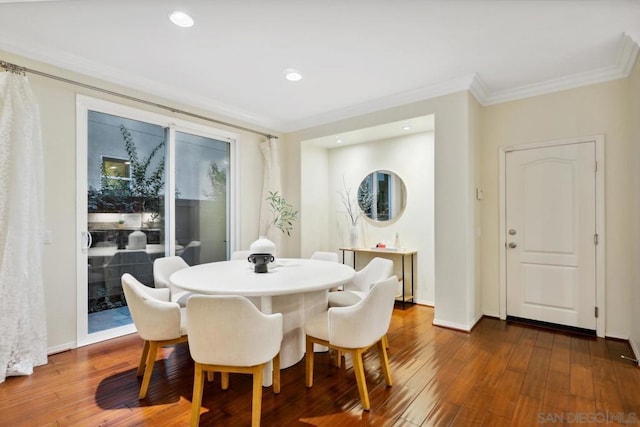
x=407 y=295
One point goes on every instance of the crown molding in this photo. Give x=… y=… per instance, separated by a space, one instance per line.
x=378 y=104
x=132 y=81
x=479 y=89
x=627 y=54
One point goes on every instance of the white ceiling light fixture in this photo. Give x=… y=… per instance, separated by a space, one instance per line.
x=181 y=19
x=339 y=140
x=292 y=75
x=406 y=126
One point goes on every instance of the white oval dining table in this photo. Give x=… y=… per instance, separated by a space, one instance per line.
x=295 y=287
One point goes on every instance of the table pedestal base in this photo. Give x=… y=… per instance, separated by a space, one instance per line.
x=295 y=310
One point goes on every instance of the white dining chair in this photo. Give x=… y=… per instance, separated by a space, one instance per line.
x=159 y=322
x=163 y=268
x=376 y=270
x=228 y=334
x=354 y=330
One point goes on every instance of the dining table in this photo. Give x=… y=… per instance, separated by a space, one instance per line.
x=296 y=287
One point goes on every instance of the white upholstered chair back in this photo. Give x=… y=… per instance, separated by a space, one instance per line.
x=325 y=256
x=376 y=270
x=156 y=318
x=366 y=322
x=229 y=330
x=165 y=267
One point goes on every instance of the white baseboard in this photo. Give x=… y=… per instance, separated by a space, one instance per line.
x=635 y=347
x=424 y=302
x=458 y=326
x=477 y=319
x=60 y=348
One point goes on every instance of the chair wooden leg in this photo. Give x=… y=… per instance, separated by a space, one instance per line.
x=385 y=341
x=143 y=358
x=224 y=383
x=338 y=358
x=384 y=363
x=308 y=358
x=151 y=358
x=198 y=384
x=276 y=374
x=210 y=376
x=358 y=368
x=256 y=404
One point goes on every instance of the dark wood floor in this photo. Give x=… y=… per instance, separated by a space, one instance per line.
x=500 y=374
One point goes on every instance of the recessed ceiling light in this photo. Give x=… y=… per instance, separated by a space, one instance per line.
x=292 y=75
x=181 y=19
x=339 y=140
x=406 y=126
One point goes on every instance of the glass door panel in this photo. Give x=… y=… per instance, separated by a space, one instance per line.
x=201 y=198
x=125 y=211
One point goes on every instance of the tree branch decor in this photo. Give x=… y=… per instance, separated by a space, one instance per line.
x=355 y=205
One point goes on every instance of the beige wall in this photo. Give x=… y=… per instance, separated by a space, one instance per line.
x=586 y=111
x=634 y=158
x=58 y=113
x=315 y=225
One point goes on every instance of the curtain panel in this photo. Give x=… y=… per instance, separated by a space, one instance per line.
x=270 y=183
x=23 y=332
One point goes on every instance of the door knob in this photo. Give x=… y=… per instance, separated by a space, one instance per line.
x=512 y=245
x=512 y=232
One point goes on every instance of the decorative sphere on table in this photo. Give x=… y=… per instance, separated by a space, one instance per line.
x=263 y=246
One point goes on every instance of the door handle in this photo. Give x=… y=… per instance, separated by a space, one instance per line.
x=87 y=240
x=512 y=245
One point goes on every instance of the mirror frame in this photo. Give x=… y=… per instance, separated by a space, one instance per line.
x=363 y=200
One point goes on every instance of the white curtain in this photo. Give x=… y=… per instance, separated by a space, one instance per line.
x=23 y=332
x=270 y=182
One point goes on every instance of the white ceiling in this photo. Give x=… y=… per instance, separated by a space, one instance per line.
x=356 y=56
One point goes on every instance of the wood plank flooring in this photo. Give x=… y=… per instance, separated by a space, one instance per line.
x=498 y=375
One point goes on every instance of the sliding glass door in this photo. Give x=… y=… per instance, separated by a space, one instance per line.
x=153 y=188
x=201 y=203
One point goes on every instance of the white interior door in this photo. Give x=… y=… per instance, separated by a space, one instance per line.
x=550 y=234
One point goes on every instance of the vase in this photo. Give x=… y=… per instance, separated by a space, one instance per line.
x=263 y=246
x=355 y=236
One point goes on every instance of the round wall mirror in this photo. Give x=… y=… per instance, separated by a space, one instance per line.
x=382 y=196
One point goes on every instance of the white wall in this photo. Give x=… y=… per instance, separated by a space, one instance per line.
x=58 y=112
x=475 y=185
x=455 y=219
x=591 y=110
x=411 y=158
